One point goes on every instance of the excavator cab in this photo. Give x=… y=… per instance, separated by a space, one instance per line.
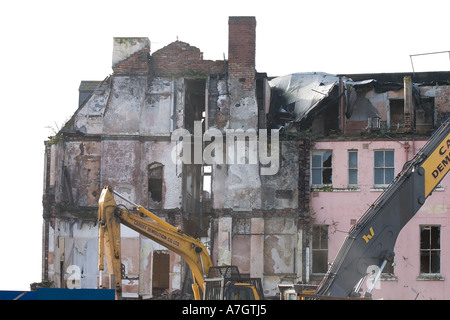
x=226 y=283
x=240 y=291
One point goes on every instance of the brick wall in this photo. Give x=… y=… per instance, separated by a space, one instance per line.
x=181 y=59
x=136 y=64
x=241 y=50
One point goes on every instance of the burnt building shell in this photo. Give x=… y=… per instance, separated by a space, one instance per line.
x=120 y=135
x=343 y=105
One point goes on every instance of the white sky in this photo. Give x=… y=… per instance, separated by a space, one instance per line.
x=48 y=47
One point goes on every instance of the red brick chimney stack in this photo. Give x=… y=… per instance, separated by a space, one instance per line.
x=241 y=50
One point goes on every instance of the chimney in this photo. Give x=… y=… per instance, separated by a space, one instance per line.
x=131 y=56
x=408 y=104
x=241 y=50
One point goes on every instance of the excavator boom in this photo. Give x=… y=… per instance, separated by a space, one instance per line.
x=111 y=216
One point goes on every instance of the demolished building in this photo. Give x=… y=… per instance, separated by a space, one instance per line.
x=363 y=129
x=279 y=226
x=121 y=135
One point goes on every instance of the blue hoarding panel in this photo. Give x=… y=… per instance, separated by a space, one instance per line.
x=58 y=294
x=74 y=294
x=17 y=295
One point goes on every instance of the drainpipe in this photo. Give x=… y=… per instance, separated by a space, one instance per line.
x=307 y=265
x=207 y=103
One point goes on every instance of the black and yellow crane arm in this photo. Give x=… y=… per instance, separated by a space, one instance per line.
x=372 y=239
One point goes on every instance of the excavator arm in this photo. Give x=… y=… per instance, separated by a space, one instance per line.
x=371 y=241
x=110 y=217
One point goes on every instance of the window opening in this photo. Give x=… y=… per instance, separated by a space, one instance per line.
x=352 y=168
x=397 y=115
x=383 y=167
x=430 y=249
x=322 y=168
x=207 y=170
x=320 y=249
x=155 y=182
x=425 y=114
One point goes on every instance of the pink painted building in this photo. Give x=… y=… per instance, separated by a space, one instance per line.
x=361 y=129
x=358 y=168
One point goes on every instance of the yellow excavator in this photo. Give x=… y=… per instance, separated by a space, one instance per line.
x=209 y=282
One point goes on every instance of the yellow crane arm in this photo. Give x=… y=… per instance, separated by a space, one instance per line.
x=111 y=216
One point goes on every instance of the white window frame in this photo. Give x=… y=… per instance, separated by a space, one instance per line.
x=384 y=167
x=353 y=185
x=321 y=153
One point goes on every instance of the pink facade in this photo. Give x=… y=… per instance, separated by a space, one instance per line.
x=339 y=206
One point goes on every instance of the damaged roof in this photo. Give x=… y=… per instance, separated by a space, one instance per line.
x=299 y=96
x=295 y=95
